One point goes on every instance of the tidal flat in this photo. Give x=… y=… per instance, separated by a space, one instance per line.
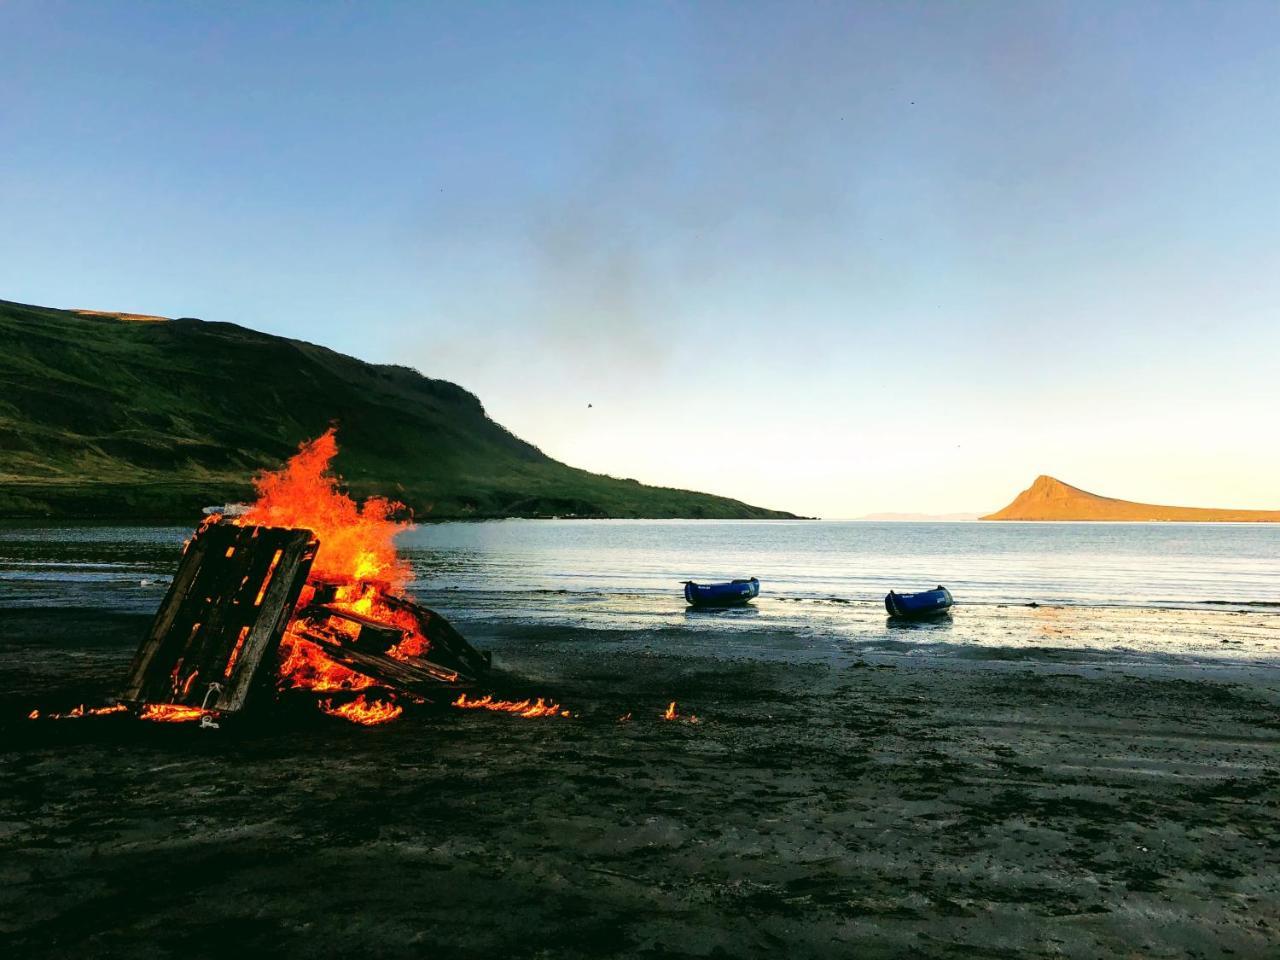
x=881 y=800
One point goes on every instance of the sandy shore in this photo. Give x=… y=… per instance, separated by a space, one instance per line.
x=871 y=804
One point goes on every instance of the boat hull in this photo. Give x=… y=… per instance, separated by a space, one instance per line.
x=927 y=603
x=732 y=594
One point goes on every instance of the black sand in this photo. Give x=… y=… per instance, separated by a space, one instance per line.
x=872 y=804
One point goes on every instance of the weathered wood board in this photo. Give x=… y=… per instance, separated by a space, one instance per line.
x=412 y=675
x=368 y=651
x=222 y=618
x=448 y=647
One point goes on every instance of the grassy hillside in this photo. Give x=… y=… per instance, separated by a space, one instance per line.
x=107 y=415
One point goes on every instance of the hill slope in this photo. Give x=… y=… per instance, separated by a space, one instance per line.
x=1051 y=499
x=131 y=416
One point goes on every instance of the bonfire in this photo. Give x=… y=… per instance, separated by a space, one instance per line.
x=303 y=593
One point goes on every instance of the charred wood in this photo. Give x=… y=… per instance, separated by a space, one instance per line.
x=222 y=617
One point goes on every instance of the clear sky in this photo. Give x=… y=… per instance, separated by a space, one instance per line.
x=833 y=258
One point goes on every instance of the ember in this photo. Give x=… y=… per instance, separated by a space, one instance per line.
x=672 y=714
x=80 y=711
x=170 y=713
x=521 y=708
x=362 y=711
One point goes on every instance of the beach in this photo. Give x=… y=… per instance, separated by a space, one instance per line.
x=889 y=797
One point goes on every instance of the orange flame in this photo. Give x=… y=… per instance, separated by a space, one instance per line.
x=357 y=559
x=362 y=711
x=358 y=539
x=521 y=708
x=80 y=711
x=673 y=714
x=171 y=713
x=304 y=666
x=159 y=712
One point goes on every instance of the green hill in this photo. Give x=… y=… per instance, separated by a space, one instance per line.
x=135 y=417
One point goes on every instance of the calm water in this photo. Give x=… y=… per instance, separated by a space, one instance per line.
x=1143 y=564
x=1156 y=565
x=1197 y=590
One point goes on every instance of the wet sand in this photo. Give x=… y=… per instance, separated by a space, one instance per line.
x=868 y=802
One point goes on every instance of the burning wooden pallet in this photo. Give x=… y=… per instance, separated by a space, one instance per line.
x=240 y=591
x=222 y=617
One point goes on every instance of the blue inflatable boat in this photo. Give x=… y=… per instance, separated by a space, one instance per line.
x=729 y=594
x=924 y=604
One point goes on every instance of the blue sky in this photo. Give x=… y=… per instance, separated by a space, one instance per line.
x=836 y=258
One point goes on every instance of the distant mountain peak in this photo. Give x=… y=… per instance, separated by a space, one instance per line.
x=1048 y=498
x=1051 y=488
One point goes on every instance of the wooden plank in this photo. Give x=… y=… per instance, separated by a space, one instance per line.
x=275 y=601
x=448 y=647
x=411 y=675
x=421 y=663
x=193 y=553
x=375 y=636
x=175 y=676
x=222 y=617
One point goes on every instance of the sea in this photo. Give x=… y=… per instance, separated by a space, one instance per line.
x=1163 y=589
